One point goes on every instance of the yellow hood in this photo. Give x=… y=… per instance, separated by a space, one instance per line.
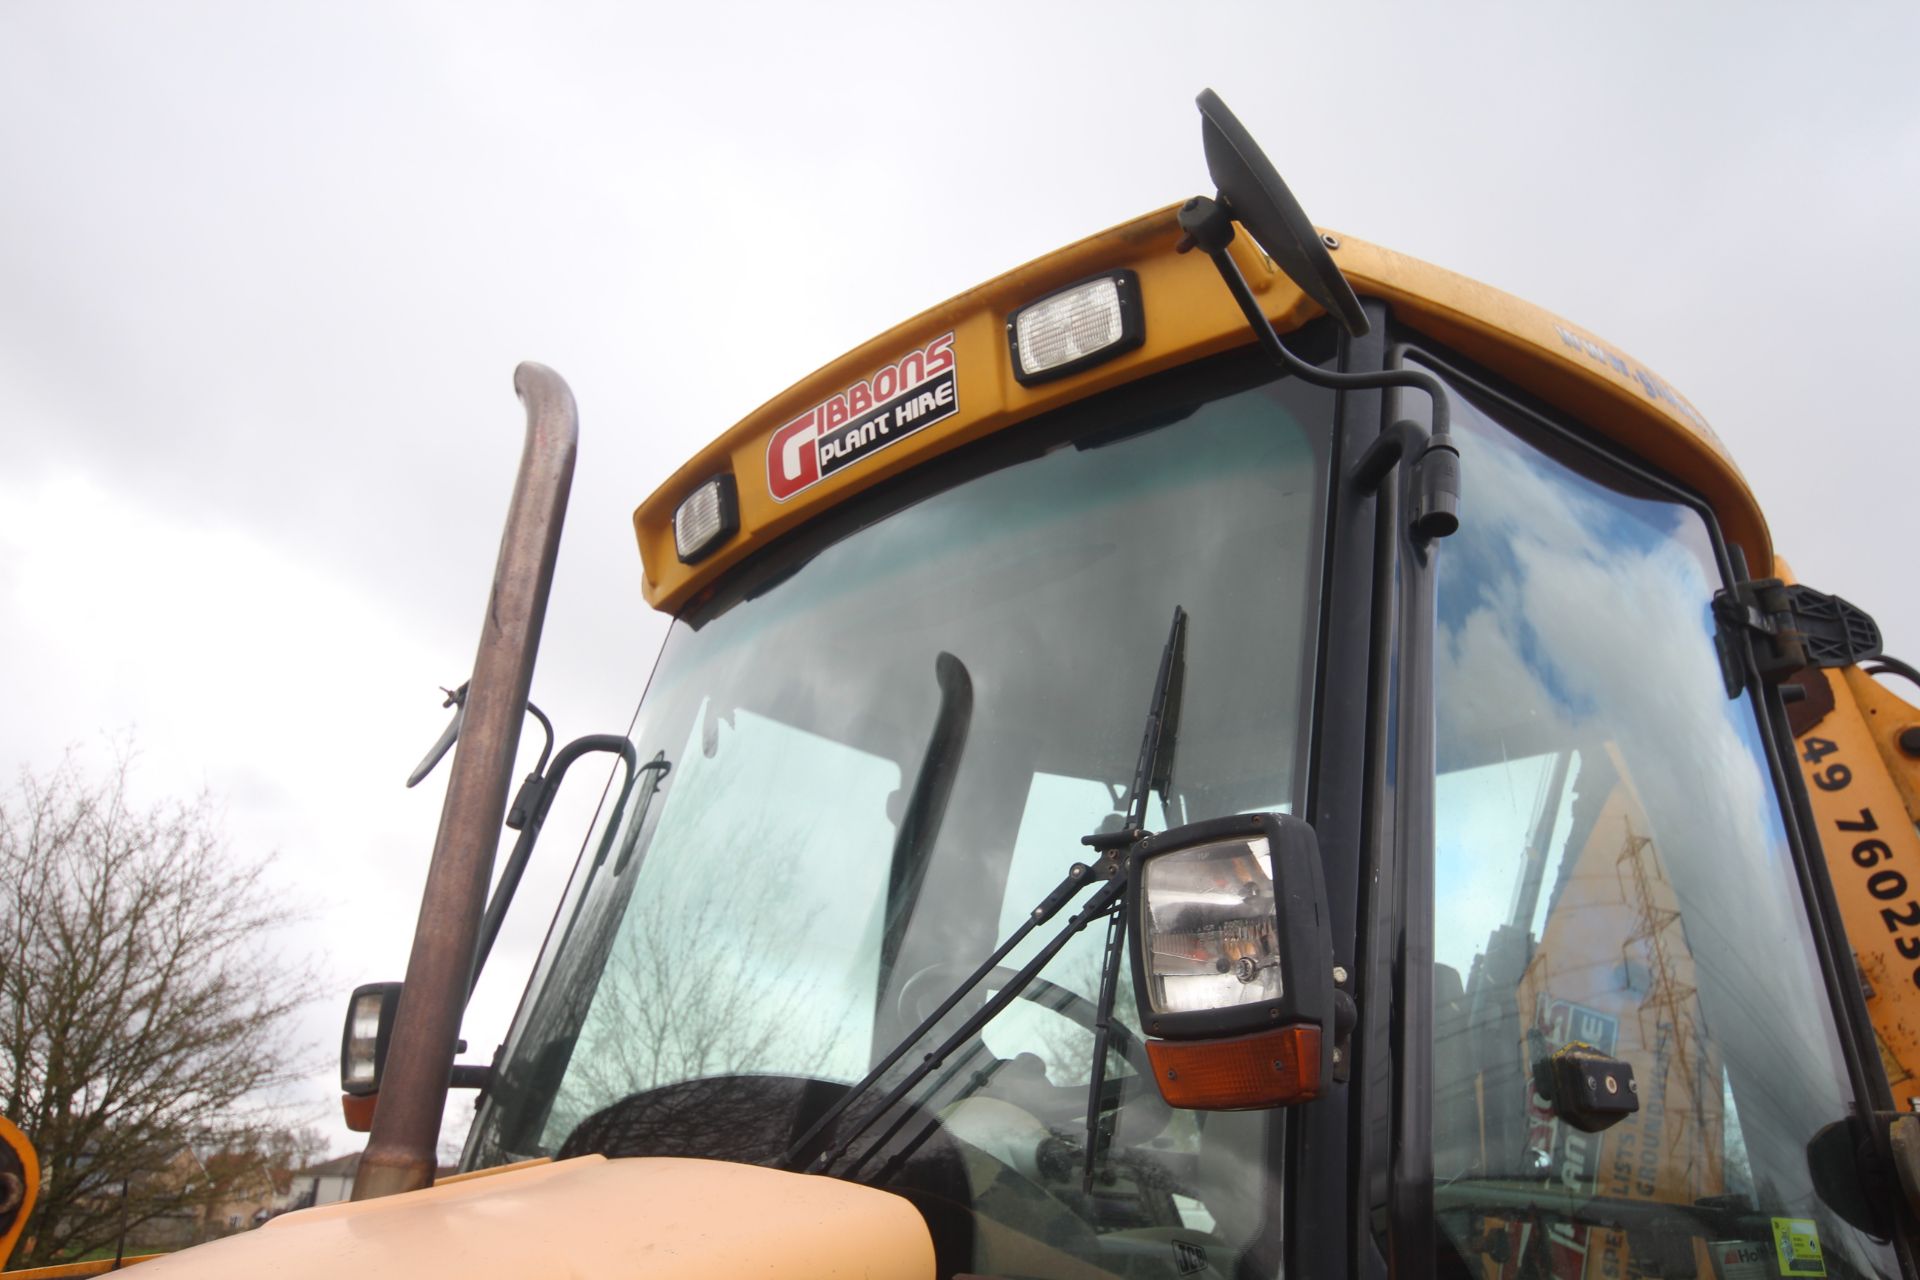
x=585 y=1219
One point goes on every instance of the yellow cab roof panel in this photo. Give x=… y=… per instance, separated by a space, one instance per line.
x=946 y=379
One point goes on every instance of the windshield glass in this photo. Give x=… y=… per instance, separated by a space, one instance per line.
x=1613 y=870
x=876 y=751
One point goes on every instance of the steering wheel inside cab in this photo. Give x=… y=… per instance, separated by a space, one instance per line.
x=1022 y=1081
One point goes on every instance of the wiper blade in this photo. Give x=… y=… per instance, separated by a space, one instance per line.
x=1154 y=772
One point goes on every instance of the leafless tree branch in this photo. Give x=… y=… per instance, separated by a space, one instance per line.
x=143 y=1003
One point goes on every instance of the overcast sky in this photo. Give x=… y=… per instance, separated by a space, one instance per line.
x=266 y=269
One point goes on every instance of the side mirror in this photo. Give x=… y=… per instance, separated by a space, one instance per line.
x=1233 y=963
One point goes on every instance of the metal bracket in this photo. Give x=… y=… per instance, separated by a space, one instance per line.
x=1792 y=628
x=1346 y=1014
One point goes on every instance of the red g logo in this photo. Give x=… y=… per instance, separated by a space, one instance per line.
x=793 y=462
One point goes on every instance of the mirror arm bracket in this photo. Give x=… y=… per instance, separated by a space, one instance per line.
x=470 y=1075
x=1208 y=225
x=537 y=795
x=1346 y=1014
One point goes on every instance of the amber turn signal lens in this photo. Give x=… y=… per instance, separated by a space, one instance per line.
x=1241 y=1073
x=358 y=1109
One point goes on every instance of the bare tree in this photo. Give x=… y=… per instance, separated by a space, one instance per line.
x=680 y=999
x=142 y=1006
x=290 y=1149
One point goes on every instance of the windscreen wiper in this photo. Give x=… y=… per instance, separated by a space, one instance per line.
x=1154 y=772
x=807 y=1153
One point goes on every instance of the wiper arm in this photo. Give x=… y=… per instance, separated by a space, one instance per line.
x=1155 y=748
x=1076 y=879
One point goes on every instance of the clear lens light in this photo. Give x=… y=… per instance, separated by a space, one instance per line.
x=1212 y=932
x=364 y=1040
x=700 y=520
x=366 y=1019
x=1067 y=326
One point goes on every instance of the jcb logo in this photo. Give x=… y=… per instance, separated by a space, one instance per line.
x=1190 y=1258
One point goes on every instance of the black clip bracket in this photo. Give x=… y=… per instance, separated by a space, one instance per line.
x=1792 y=628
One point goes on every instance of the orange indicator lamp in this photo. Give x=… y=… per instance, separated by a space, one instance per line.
x=1239 y=1073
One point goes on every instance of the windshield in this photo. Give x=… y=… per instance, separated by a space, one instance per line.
x=1613 y=870
x=875 y=752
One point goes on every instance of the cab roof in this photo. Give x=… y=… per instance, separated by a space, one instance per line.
x=1188 y=315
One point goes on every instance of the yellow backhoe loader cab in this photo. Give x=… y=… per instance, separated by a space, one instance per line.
x=1224 y=751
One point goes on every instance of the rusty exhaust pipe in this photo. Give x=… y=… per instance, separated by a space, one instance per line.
x=413 y=1085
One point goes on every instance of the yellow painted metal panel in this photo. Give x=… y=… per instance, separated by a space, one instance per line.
x=492 y=1170
x=588 y=1219
x=1888 y=717
x=77 y=1270
x=1574 y=371
x=1873 y=859
x=1189 y=315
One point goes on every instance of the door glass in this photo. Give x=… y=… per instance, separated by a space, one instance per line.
x=1612 y=870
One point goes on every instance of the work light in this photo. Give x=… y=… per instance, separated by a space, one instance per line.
x=1232 y=961
x=363 y=1042
x=1076 y=327
x=708 y=517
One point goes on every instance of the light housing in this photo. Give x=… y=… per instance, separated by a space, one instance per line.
x=706 y=518
x=363 y=1041
x=1074 y=328
x=1232 y=956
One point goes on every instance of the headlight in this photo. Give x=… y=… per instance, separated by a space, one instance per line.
x=1233 y=962
x=1208 y=916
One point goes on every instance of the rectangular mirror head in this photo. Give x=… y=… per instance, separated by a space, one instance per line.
x=363 y=1041
x=1229 y=929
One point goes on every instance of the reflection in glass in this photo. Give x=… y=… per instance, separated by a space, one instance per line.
x=1611 y=869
